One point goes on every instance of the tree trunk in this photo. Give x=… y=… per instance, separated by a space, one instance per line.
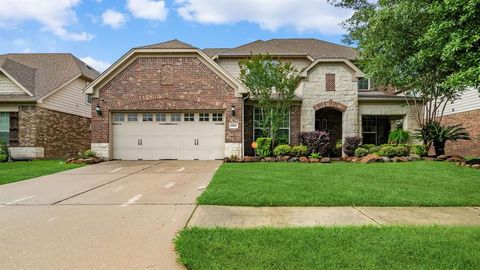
x=439 y=148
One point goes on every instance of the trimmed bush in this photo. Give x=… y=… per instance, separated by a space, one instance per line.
x=299 y=150
x=393 y=151
x=398 y=136
x=351 y=144
x=316 y=142
x=264 y=146
x=3 y=153
x=420 y=150
x=282 y=150
x=361 y=152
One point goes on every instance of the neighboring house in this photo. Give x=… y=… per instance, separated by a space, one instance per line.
x=465 y=111
x=174 y=101
x=43 y=110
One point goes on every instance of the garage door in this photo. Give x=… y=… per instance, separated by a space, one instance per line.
x=158 y=135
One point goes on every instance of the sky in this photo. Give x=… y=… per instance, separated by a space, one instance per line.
x=101 y=31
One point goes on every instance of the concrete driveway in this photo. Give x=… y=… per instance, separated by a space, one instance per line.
x=113 y=215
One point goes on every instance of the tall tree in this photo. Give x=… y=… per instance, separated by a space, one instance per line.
x=272 y=85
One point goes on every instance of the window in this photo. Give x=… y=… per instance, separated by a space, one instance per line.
x=118 y=117
x=204 y=117
x=4 y=127
x=363 y=84
x=161 y=117
x=217 y=117
x=283 y=136
x=330 y=82
x=88 y=99
x=147 y=117
x=132 y=117
x=188 y=117
x=176 y=117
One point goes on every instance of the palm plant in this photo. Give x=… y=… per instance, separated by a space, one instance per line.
x=436 y=134
x=398 y=136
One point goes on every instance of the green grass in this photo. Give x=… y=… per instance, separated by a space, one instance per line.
x=342 y=184
x=16 y=171
x=330 y=248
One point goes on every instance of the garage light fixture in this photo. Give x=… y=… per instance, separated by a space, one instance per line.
x=233 y=110
x=98 y=110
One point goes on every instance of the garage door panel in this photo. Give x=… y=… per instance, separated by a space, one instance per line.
x=168 y=139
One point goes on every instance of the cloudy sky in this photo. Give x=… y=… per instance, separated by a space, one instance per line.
x=100 y=31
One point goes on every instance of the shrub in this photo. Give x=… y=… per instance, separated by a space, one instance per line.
x=420 y=150
x=264 y=146
x=316 y=141
x=398 y=136
x=282 y=150
x=299 y=150
x=393 y=150
x=351 y=144
x=315 y=155
x=3 y=153
x=361 y=152
x=87 y=154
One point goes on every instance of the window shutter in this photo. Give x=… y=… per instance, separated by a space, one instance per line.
x=330 y=82
x=13 y=140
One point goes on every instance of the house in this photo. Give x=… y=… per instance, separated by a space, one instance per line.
x=174 y=101
x=43 y=110
x=465 y=111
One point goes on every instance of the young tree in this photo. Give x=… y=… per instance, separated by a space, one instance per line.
x=272 y=85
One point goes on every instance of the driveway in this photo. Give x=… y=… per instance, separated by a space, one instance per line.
x=113 y=215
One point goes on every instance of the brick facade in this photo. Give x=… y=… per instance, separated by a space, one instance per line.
x=61 y=135
x=470 y=121
x=166 y=84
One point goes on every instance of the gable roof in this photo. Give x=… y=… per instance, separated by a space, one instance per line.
x=314 y=48
x=43 y=73
x=171 y=44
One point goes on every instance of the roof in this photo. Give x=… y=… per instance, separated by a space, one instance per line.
x=211 y=52
x=171 y=44
x=317 y=49
x=43 y=73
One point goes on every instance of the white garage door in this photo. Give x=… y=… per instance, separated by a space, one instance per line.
x=154 y=136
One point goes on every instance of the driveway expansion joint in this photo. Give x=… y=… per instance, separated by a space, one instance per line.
x=367 y=216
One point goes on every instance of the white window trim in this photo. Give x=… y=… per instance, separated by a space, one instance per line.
x=289 y=124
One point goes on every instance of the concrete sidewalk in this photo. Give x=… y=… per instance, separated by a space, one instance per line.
x=246 y=217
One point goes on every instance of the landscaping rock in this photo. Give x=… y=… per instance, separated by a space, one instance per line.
x=386 y=159
x=283 y=158
x=325 y=160
x=303 y=159
x=335 y=159
x=442 y=158
x=473 y=161
x=293 y=159
x=313 y=160
x=406 y=158
x=371 y=158
x=270 y=159
x=429 y=158
x=415 y=157
x=248 y=159
x=398 y=159
x=455 y=158
x=476 y=166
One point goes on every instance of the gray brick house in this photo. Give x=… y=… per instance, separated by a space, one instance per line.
x=174 y=101
x=43 y=110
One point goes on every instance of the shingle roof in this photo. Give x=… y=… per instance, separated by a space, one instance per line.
x=43 y=73
x=171 y=44
x=211 y=52
x=291 y=46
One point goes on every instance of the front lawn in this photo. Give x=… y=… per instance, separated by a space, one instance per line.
x=342 y=184
x=331 y=248
x=15 y=171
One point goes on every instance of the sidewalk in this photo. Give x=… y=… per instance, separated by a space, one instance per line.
x=246 y=217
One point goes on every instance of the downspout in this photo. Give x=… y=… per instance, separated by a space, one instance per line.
x=243 y=122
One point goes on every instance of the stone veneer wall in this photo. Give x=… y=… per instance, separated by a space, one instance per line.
x=61 y=135
x=166 y=83
x=471 y=121
x=313 y=91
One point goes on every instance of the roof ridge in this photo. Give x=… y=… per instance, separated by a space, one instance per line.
x=316 y=39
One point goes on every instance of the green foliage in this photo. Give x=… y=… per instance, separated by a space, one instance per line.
x=372 y=148
x=3 y=157
x=3 y=153
x=388 y=150
x=315 y=155
x=420 y=150
x=264 y=146
x=87 y=154
x=361 y=152
x=299 y=150
x=272 y=85
x=282 y=150
x=436 y=134
x=398 y=136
